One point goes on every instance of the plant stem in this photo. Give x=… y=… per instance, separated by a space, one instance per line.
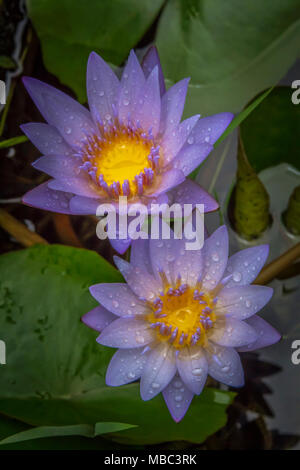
x=279 y=264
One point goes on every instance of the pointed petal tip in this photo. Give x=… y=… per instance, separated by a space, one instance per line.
x=93 y=289
x=84 y=319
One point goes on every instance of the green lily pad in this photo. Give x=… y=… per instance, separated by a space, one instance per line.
x=69 y=30
x=230 y=51
x=271 y=132
x=21 y=436
x=86 y=430
x=55 y=370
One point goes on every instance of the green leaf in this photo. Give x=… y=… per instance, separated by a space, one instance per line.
x=237 y=120
x=230 y=51
x=6 y=62
x=70 y=29
x=271 y=133
x=55 y=371
x=11 y=428
x=13 y=141
x=86 y=430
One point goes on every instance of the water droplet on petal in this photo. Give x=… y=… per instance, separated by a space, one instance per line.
x=178 y=398
x=237 y=276
x=197 y=371
x=155 y=385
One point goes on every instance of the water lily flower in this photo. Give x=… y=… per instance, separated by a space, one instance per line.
x=131 y=142
x=181 y=316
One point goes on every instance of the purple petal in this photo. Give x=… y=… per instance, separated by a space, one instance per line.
x=120 y=245
x=48 y=199
x=209 y=129
x=151 y=60
x=119 y=299
x=98 y=318
x=178 y=398
x=132 y=84
x=215 y=257
x=81 y=185
x=243 y=301
x=59 y=166
x=140 y=255
x=233 y=333
x=246 y=264
x=224 y=365
x=192 y=367
x=102 y=89
x=148 y=111
x=158 y=371
x=171 y=257
x=125 y=366
x=173 y=141
x=142 y=283
x=46 y=138
x=167 y=181
x=81 y=205
x=172 y=105
x=70 y=118
x=164 y=254
x=191 y=156
x=267 y=335
x=126 y=333
x=189 y=192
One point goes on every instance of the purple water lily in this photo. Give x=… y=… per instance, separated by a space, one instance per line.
x=131 y=143
x=181 y=316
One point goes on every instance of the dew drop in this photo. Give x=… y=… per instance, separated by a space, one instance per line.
x=140 y=339
x=237 y=276
x=197 y=371
x=178 y=398
x=155 y=385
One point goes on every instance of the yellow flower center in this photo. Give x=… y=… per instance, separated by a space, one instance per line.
x=122 y=160
x=182 y=315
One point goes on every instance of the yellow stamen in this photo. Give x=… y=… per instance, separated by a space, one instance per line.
x=120 y=155
x=182 y=317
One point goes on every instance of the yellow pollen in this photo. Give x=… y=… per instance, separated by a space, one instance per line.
x=122 y=160
x=119 y=156
x=183 y=317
